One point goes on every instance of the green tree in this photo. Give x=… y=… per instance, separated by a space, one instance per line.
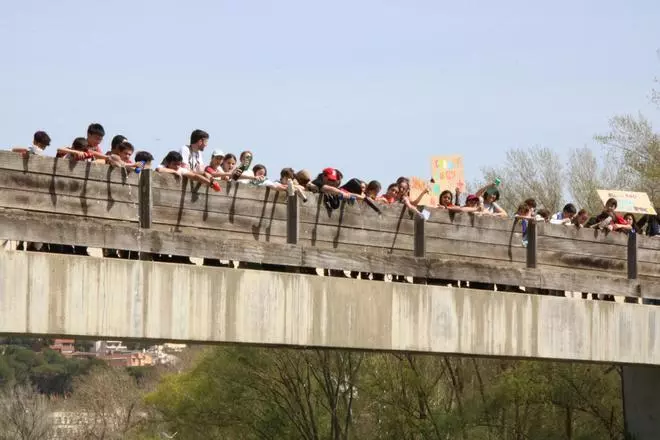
x=257 y=393
x=240 y=392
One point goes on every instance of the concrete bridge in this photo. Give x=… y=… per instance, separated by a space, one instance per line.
x=55 y=201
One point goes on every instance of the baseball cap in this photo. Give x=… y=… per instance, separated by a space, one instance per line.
x=331 y=174
x=218 y=153
x=471 y=197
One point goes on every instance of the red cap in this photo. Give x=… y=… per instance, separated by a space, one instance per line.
x=331 y=174
x=471 y=197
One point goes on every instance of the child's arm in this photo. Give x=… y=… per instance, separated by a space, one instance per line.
x=498 y=211
x=618 y=227
x=197 y=177
x=115 y=161
x=419 y=198
x=97 y=155
x=277 y=186
x=74 y=153
x=406 y=201
x=24 y=152
x=165 y=170
x=219 y=175
x=482 y=190
x=470 y=209
x=331 y=190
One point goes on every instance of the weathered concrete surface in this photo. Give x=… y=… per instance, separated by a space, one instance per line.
x=95 y=297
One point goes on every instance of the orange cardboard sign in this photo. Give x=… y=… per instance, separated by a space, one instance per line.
x=447 y=173
x=417 y=188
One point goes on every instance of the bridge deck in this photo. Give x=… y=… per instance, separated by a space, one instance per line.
x=45 y=294
x=56 y=201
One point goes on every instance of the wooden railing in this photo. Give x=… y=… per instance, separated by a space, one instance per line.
x=58 y=201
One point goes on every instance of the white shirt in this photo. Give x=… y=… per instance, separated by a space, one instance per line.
x=33 y=149
x=558 y=219
x=193 y=160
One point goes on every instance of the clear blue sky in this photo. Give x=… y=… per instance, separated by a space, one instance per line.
x=371 y=87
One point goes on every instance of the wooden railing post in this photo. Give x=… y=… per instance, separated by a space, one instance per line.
x=632 y=256
x=292 y=216
x=531 y=244
x=145 y=201
x=420 y=240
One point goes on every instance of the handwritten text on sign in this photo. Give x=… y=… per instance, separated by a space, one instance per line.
x=628 y=201
x=447 y=173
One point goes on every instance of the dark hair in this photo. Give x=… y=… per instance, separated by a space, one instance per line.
x=392 y=185
x=451 y=196
x=531 y=203
x=570 y=208
x=580 y=212
x=244 y=153
x=96 y=129
x=116 y=141
x=198 y=135
x=374 y=185
x=143 y=156
x=229 y=156
x=41 y=138
x=402 y=179
x=80 y=144
x=353 y=186
x=543 y=212
x=258 y=167
x=172 y=156
x=523 y=207
x=496 y=193
x=287 y=173
x=126 y=146
x=611 y=201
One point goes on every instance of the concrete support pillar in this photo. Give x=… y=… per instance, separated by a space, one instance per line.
x=641 y=401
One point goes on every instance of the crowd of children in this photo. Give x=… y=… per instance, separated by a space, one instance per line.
x=189 y=161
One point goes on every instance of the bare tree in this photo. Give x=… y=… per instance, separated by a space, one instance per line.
x=109 y=404
x=534 y=172
x=24 y=415
x=635 y=149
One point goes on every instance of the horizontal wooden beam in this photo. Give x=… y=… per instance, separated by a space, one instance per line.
x=38 y=227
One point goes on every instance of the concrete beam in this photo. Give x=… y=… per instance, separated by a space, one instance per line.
x=49 y=294
x=641 y=401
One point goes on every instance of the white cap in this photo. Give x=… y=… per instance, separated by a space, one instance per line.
x=217 y=153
